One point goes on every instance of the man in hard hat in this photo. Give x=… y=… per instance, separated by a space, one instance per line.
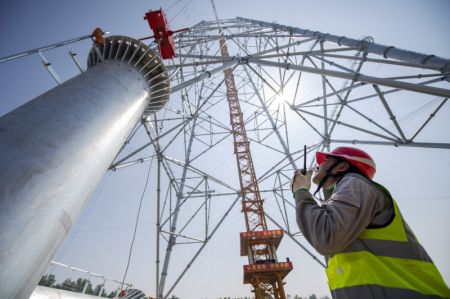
x=370 y=250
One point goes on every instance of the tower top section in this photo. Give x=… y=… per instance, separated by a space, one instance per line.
x=124 y=49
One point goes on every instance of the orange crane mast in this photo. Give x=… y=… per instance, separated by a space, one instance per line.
x=263 y=272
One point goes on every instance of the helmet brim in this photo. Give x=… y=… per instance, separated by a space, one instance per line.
x=320 y=157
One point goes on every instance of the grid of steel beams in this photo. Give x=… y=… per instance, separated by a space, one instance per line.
x=296 y=87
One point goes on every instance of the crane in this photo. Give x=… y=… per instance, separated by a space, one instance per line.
x=259 y=243
x=263 y=272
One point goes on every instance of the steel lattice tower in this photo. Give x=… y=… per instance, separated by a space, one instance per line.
x=295 y=87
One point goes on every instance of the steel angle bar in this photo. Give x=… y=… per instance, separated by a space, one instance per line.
x=389 y=111
x=281 y=194
x=48 y=66
x=263 y=79
x=170 y=118
x=182 y=236
x=296 y=241
x=420 y=76
x=214 y=194
x=331 y=63
x=213 y=145
x=173 y=226
x=212 y=28
x=268 y=146
x=89 y=273
x=239 y=46
x=192 y=48
x=201 y=141
x=189 y=243
x=269 y=172
x=396 y=143
x=126 y=164
x=274 y=127
x=285 y=125
x=329 y=95
x=146 y=145
x=266 y=175
x=204 y=75
x=372 y=121
x=250 y=34
x=347 y=125
x=428 y=119
x=201 y=57
x=198 y=109
x=344 y=101
x=75 y=60
x=207 y=212
x=200 y=208
x=382 y=61
x=300 y=73
x=293 y=44
x=285 y=220
x=218 y=124
x=359 y=77
x=173 y=185
x=392 y=90
x=442 y=64
x=197 y=63
x=284 y=212
x=324 y=92
x=310 y=52
x=227 y=212
x=199 y=172
x=45 y=48
x=158 y=212
x=274 y=81
x=307 y=122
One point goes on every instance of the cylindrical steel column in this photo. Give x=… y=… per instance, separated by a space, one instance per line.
x=56 y=148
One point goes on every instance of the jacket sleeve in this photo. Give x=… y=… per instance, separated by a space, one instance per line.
x=334 y=225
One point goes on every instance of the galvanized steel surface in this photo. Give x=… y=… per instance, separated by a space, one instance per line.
x=136 y=54
x=55 y=150
x=42 y=292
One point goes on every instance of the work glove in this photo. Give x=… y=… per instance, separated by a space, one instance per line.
x=300 y=181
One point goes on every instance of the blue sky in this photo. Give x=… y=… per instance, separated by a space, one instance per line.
x=418 y=178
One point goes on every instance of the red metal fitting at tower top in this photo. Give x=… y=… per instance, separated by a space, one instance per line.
x=161 y=32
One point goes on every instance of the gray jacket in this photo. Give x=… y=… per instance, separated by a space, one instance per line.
x=353 y=206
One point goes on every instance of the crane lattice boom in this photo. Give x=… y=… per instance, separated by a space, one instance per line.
x=264 y=272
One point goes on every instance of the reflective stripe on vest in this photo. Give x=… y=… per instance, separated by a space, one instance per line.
x=375 y=291
x=389 y=257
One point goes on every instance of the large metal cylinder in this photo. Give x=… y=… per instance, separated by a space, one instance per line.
x=50 y=293
x=55 y=149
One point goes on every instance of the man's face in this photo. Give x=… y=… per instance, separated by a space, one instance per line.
x=321 y=171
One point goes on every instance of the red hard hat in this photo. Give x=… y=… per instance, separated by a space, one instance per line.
x=360 y=159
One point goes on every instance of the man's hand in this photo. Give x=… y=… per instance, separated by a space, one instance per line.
x=300 y=181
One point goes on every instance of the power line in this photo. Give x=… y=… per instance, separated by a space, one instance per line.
x=171 y=6
x=136 y=225
x=176 y=15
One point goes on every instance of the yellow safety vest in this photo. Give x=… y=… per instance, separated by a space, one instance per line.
x=385 y=262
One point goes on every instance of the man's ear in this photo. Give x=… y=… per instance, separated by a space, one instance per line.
x=341 y=167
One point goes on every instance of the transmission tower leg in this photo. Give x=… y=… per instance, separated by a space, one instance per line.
x=54 y=151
